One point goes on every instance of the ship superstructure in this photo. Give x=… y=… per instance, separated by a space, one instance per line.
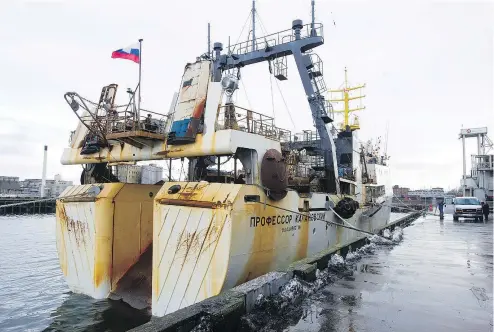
x=288 y=196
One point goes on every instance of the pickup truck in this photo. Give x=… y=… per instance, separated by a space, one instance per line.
x=468 y=208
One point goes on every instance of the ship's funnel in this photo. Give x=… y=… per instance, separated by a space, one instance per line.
x=43 y=177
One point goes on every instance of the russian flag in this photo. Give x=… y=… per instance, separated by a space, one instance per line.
x=130 y=53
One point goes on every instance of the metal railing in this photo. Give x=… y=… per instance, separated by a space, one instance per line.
x=482 y=163
x=307 y=165
x=127 y=121
x=307 y=136
x=277 y=38
x=105 y=118
x=329 y=109
x=242 y=119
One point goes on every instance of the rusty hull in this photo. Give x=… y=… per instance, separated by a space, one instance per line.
x=208 y=239
x=100 y=239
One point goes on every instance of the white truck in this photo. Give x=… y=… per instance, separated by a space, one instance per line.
x=468 y=208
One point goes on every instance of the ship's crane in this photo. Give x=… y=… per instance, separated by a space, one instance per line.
x=275 y=48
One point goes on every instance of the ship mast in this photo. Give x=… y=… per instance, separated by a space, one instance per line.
x=253 y=25
x=346 y=103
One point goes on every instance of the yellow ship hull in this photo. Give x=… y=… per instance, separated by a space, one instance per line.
x=206 y=238
x=100 y=237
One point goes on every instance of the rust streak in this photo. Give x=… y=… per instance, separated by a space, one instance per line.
x=79 y=230
x=223 y=221
x=61 y=212
x=61 y=216
x=183 y=202
x=224 y=201
x=189 y=244
x=199 y=109
x=192 y=203
x=191 y=193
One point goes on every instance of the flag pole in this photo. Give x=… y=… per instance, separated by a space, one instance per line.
x=139 y=96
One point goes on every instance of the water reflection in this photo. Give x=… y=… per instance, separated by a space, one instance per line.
x=82 y=313
x=34 y=295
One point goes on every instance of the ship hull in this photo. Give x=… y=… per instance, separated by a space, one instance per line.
x=206 y=238
x=210 y=237
x=102 y=238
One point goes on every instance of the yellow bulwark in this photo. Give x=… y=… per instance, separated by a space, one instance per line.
x=345 y=98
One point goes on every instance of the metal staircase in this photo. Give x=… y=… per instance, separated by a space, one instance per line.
x=314 y=66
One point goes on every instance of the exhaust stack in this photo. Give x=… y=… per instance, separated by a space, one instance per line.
x=43 y=178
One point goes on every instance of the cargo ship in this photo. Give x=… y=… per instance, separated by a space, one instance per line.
x=286 y=195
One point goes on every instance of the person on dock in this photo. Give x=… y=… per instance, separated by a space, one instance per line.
x=485 y=210
x=440 y=206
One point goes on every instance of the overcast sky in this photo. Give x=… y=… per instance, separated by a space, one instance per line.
x=428 y=67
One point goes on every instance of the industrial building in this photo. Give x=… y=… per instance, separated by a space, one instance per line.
x=416 y=194
x=9 y=186
x=400 y=191
x=143 y=174
x=13 y=187
x=53 y=188
x=426 y=193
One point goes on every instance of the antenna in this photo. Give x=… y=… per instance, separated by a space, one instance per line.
x=346 y=98
x=253 y=25
x=313 y=15
x=209 y=39
x=346 y=78
x=386 y=139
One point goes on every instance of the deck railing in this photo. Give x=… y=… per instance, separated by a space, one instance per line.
x=127 y=121
x=281 y=37
x=242 y=119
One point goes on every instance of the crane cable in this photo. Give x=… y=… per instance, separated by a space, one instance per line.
x=263 y=28
x=319 y=219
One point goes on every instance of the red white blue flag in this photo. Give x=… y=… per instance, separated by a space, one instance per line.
x=130 y=53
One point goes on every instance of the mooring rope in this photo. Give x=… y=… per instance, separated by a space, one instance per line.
x=424 y=211
x=319 y=219
x=348 y=225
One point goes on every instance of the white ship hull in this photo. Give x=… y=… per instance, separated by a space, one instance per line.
x=205 y=239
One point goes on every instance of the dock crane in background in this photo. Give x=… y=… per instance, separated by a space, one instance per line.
x=480 y=181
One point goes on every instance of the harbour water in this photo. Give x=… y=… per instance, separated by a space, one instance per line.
x=438 y=278
x=34 y=296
